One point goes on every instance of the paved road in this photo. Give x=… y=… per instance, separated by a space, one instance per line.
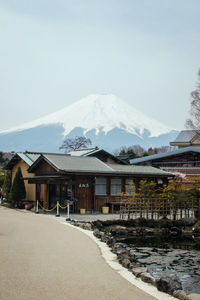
x=42 y=259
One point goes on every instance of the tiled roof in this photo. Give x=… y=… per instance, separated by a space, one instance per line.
x=74 y=163
x=138 y=169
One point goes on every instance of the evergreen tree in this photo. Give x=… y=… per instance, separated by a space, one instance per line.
x=1 y=158
x=7 y=183
x=18 y=192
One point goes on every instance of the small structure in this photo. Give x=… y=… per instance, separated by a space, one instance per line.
x=187 y=138
x=88 y=180
x=125 y=157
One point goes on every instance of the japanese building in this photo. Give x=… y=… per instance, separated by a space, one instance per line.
x=187 y=138
x=88 y=181
x=184 y=162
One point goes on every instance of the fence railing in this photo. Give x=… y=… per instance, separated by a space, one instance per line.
x=157 y=208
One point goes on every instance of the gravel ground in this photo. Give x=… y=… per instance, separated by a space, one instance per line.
x=94 y=217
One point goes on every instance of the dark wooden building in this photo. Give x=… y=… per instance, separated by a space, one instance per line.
x=184 y=162
x=88 y=181
x=187 y=138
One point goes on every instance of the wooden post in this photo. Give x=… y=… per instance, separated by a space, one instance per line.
x=45 y=196
x=37 y=208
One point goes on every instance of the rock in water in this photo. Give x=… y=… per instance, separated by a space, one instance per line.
x=168 y=284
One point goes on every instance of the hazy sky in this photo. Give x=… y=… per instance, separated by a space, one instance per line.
x=53 y=53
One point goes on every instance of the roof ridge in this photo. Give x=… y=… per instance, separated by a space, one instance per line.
x=35 y=152
x=82 y=149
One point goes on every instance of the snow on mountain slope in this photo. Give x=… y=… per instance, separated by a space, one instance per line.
x=99 y=113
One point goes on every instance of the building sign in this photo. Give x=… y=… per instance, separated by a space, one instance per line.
x=83 y=185
x=160 y=181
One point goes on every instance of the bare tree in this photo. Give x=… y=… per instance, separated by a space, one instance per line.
x=76 y=143
x=194 y=121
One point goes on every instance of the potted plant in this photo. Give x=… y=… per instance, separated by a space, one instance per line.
x=82 y=211
x=105 y=209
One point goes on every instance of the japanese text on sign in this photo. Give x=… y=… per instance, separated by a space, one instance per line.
x=83 y=185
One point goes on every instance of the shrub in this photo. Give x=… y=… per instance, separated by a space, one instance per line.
x=197 y=224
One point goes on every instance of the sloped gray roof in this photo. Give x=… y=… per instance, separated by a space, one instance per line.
x=94 y=165
x=32 y=156
x=28 y=159
x=139 y=169
x=166 y=154
x=185 y=136
x=76 y=163
x=24 y=157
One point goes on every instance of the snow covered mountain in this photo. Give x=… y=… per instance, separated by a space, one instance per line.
x=107 y=120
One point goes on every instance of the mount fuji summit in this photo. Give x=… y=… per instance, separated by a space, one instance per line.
x=107 y=120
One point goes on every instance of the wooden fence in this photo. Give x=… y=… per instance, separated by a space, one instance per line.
x=156 y=208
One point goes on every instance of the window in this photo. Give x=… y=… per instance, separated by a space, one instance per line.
x=130 y=186
x=101 y=186
x=116 y=186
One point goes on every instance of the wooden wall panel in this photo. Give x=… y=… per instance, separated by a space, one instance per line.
x=44 y=168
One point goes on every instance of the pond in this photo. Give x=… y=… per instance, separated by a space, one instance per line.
x=173 y=257
x=189 y=242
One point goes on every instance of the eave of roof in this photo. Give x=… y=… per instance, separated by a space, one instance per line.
x=180 y=143
x=163 y=155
